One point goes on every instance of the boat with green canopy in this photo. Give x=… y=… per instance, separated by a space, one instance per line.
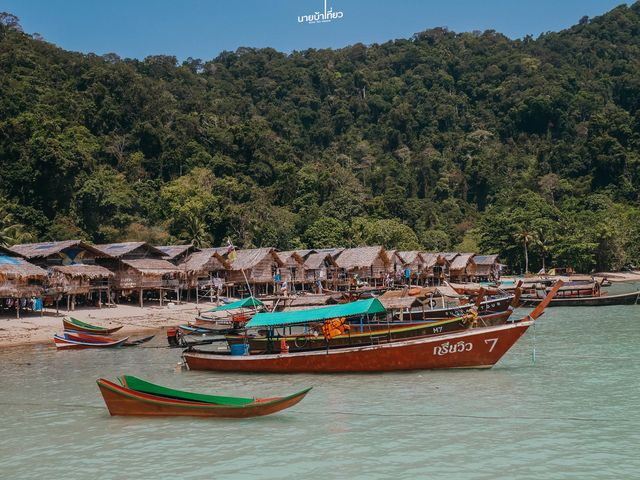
x=135 y=396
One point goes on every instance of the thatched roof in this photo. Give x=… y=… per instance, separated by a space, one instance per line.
x=315 y=260
x=44 y=249
x=152 y=266
x=448 y=256
x=118 y=250
x=305 y=253
x=361 y=257
x=249 y=258
x=173 y=251
x=430 y=259
x=291 y=257
x=460 y=262
x=399 y=303
x=485 y=259
x=411 y=256
x=17 y=268
x=81 y=270
x=206 y=260
x=309 y=300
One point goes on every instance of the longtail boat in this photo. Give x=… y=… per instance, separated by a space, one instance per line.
x=91 y=338
x=491 y=305
x=473 y=348
x=137 y=397
x=79 y=326
x=70 y=340
x=369 y=334
x=229 y=314
x=632 y=298
x=473 y=288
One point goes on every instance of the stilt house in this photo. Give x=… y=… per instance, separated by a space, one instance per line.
x=487 y=268
x=255 y=267
x=72 y=269
x=462 y=268
x=139 y=268
x=20 y=281
x=321 y=269
x=363 y=265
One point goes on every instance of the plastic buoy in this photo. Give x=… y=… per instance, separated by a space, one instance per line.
x=284 y=348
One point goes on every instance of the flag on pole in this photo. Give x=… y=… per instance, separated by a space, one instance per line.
x=231 y=251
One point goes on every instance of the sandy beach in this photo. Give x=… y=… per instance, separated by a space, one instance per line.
x=631 y=276
x=33 y=328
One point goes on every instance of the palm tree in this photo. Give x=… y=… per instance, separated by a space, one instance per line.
x=526 y=237
x=197 y=232
x=13 y=233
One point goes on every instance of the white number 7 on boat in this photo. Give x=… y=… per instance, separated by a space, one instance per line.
x=493 y=342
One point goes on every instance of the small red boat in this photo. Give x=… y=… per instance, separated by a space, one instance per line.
x=77 y=340
x=137 y=397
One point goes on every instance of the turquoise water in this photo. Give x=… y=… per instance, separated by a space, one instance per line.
x=574 y=413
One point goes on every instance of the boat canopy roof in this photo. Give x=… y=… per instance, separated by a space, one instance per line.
x=244 y=303
x=361 y=307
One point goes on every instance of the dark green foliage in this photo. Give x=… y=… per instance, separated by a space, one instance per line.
x=441 y=141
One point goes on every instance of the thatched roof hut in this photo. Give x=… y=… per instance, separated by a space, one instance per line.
x=413 y=260
x=19 y=278
x=396 y=262
x=258 y=265
x=208 y=262
x=463 y=267
x=370 y=263
x=293 y=261
x=79 y=278
x=321 y=265
x=138 y=265
x=487 y=267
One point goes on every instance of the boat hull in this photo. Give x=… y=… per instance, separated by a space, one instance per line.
x=69 y=342
x=95 y=331
x=476 y=348
x=632 y=298
x=123 y=401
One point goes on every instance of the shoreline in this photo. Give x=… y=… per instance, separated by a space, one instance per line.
x=34 y=329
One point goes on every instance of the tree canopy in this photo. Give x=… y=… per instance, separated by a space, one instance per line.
x=440 y=141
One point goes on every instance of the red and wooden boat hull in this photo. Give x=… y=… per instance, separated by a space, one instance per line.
x=476 y=348
x=69 y=342
x=123 y=401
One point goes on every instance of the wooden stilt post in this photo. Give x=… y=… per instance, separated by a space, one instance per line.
x=68 y=303
x=73 y=302
x=18 y=307
x=161 y=295
x=141 y=304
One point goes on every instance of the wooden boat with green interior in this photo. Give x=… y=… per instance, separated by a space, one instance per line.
x=135 y=396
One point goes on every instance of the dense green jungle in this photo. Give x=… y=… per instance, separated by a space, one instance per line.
x=442 y=142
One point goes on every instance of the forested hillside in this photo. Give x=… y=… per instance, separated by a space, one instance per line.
x=445 y=141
